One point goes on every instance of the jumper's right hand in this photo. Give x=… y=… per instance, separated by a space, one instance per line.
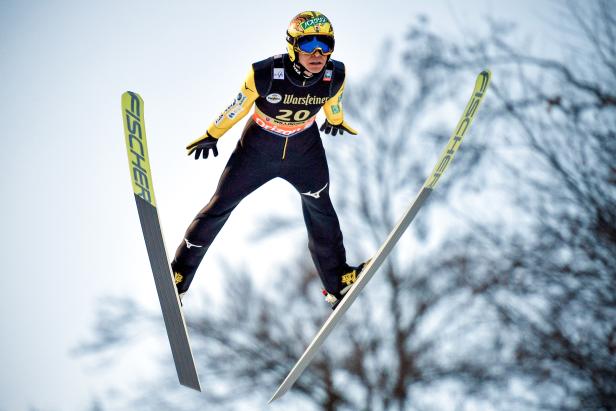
x=203 y=146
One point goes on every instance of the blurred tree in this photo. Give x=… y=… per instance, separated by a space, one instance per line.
x=551 y=275
x=508 y=306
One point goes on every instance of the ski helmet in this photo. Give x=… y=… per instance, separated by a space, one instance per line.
x=308 y=32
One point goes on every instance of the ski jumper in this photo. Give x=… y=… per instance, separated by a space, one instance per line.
x=281 y=139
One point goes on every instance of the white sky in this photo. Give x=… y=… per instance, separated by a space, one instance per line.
x=69 y=227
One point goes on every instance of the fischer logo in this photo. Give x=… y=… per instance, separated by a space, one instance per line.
x=274 y=98
x=454 y=142
x=139 y=162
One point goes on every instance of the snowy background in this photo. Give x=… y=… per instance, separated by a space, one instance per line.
x=70 y=233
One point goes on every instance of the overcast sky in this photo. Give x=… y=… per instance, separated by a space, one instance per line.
x=69 y=228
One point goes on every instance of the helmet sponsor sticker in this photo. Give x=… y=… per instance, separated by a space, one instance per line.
x=274 y=98
x=313 y=22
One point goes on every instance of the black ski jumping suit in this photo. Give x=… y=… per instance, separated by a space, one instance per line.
x=281 y=139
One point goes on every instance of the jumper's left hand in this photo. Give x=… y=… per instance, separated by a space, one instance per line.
x=328 y=127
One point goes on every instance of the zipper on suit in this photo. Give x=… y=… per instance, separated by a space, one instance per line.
x=284 y=150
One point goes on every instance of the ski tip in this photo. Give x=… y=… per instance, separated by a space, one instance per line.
x=485 y=75
x=129 y=95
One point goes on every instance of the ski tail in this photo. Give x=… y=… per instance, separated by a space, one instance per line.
x=446 y=157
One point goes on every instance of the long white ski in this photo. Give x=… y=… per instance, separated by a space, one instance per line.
x=481 y=85
x=141 y=176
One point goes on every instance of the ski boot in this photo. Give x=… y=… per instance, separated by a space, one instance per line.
x=349 y=276
x=182 y=277
x=178 y=279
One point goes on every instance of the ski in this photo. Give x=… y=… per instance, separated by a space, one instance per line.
x=140 y=171
x=445 y=159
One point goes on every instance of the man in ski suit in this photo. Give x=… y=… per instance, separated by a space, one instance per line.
x=281 y=139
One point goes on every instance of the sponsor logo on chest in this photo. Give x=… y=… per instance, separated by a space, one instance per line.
x=274 y=98
x=307 y=100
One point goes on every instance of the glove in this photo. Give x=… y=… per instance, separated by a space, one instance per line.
x=203 y=146
x=328 y=127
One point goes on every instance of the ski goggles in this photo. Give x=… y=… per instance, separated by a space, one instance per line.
x=310 y=44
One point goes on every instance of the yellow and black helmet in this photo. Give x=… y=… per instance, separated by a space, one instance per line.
x=308 y=32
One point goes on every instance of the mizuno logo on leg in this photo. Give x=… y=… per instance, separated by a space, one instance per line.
x=317 y=194
x=189 y=244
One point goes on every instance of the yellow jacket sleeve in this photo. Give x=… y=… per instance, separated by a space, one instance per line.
x=333 y=108
x=334 y=113
x=237 y=110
